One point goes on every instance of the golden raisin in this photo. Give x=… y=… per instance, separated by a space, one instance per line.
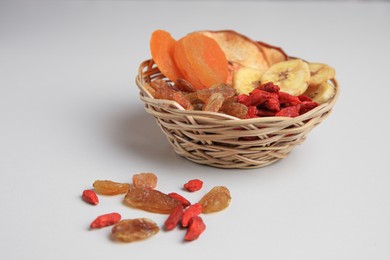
x=106 y=187
x=214 y=103
x=217 y=199
x=131 y=230
x=150 y=200
x=224 y=89
x=146 y=180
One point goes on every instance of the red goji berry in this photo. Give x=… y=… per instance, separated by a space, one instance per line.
x=269 y=87
x=90 y=197
x=265 y=112
x=193 y=185
x=286 y=99
x=252 y=112
x=257 y=97
x=307 y=106
x=106 y=220
x=291 y=111
x=196 y=227
x=190 y=212
x=180 y=198
x=174 y=218
x=303 y=98
x=244 y=99
x=273 y=103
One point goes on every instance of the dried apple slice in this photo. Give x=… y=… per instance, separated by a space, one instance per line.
x=239 y=49
x=272 y=53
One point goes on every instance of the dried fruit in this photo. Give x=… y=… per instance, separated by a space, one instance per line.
x=184 y=85
x=286 y=99
x=201 y=60
x=233 y=108
x=214 y=103
x=174 y=218
x=291 y=111
x=195 y=229
x=292 y=76
x=190 y=212
x=90 y=197
x=217 y=199
x=180 y=198
x=205 y=94
x=131 y=230
x=106 y=220
x=273 y=54
x=252 y=112
x=239 y=48
x=146 y=180
x=306 y=106
x=193 y=185
x=150 y=200
x=106 y=187
x=320 y=73
x=162 y=46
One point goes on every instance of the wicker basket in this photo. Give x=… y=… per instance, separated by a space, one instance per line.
x=216 y=139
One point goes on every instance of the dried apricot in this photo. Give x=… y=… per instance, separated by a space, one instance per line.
x=162 y=46
x=150 y=200
x=146 y=180
x=106 y=187
x=217 y=199
x=201 y=60
x=131 y=230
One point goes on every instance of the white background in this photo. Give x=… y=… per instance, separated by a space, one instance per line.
x=70 y=114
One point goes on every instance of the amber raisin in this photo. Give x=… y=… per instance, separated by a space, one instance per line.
x=131 y=230
x=150 y=200
x=214 y=103
x=106 y=187
x=217 y=199
x=146 y=180
x=224 y=89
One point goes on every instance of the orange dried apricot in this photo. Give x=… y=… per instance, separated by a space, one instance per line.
x=201 y=60
x=162 y=47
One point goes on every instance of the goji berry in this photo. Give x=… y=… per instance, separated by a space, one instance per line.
x=196 y=227
x=273 y=103
x=307 y=106
x=90 y=197
x=286 y=99
x=265 y=112
x=190 y=212
x=252 y=112
x=180 y=198
x=244 y=99
x=303 y=98
x=257 y=97
x=269 y=87
x=193 y=185
x=291 y=111
x=106 y=220
x=174 y=218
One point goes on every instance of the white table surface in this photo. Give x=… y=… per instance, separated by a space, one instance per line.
x=70 y=114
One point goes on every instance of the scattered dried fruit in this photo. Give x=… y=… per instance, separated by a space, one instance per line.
x=146 y=180
x=190 y=212
x=106 y=187
x=193 y=185
x=180 y=198
x=90 y=197
x=131 y=230
x=150 y=200
x=106 y=220
x=174 y=218
x=195 y=229
x=217 y=199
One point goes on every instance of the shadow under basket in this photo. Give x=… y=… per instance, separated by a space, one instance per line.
x=224 y=141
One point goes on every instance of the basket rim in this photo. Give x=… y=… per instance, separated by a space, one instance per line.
x=175 y=108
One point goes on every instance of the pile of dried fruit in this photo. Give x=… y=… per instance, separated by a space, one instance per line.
x=209 y=70
x=143 y=195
